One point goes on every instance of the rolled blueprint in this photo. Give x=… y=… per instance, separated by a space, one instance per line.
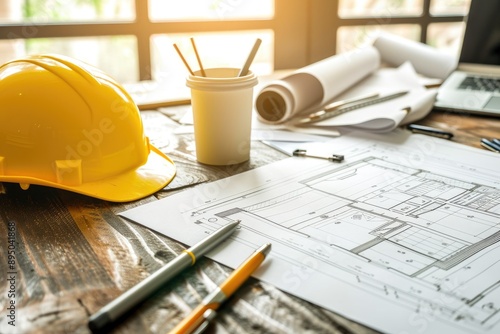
x=428 y=61
x=313 y=86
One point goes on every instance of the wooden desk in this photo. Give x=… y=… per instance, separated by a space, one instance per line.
x=74 y=254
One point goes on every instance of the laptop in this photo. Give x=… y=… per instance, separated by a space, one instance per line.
x=474 y=87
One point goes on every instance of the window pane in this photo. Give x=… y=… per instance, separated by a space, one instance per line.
x=446 y=36
x=10 y=11
x=450 y=7
x=11 y=49
x=383 y=8
x=175 y=10
x=122 y=65
x=45 y=11
x=349 y=38
x=228 y=49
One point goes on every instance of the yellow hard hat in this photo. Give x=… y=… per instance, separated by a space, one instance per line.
x=67 y=125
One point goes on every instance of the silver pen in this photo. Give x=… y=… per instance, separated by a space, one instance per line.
x=135 y=295
x=334 y=109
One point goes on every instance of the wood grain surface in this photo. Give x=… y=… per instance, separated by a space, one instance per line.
x=74 y=254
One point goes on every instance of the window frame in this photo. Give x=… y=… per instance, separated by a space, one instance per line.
x=305 y=31
x=324 y=26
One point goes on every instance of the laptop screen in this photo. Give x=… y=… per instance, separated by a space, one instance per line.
x=481 y=44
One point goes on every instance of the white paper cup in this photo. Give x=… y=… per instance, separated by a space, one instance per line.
x=222 y=112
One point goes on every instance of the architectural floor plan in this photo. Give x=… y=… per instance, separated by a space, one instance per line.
x=401 y=237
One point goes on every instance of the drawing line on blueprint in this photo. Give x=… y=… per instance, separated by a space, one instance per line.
x=387 y=221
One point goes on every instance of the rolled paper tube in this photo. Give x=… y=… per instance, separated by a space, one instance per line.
x=428 y=61
x=315 y=85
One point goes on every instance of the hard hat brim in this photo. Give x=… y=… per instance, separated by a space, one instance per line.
x=154 y=175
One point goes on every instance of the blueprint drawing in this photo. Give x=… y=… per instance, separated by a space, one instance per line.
x=402 y=236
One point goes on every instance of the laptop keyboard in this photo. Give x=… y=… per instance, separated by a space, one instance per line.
x=480 y=83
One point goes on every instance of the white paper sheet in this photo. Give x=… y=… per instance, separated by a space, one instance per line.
x=402 y=236
x=385 y=116
x=309 y=89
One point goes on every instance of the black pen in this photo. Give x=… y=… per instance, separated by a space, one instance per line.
x=427 y=130
x=490 y=145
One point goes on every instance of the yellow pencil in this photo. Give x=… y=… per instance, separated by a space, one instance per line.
x=224 y=291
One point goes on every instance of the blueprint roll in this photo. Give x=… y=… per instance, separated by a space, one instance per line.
x=312 y=87
x=428 y=61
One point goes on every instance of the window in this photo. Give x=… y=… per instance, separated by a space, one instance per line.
x=132 y=39
x=338 y=26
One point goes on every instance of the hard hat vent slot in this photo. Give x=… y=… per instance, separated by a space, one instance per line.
x=69 y=172
x=2 y=165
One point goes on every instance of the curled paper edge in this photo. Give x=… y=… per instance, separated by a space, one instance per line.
x=313 y=86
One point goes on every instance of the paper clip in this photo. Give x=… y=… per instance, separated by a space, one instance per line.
x=333 y=157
